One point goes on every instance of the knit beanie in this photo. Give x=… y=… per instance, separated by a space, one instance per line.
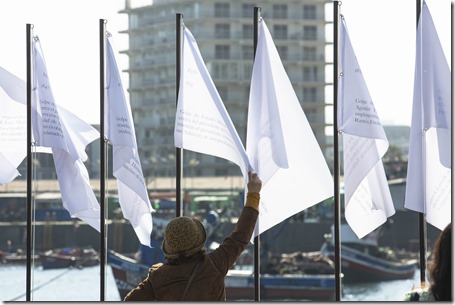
x=183 y=236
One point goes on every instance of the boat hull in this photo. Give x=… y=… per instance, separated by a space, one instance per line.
x=69 y=257
x=361 y=267
x=240 y=286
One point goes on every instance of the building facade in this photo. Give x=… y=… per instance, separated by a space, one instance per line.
x=224 y=33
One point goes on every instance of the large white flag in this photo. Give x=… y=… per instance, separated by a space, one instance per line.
x=13 y=125
x=280 y=143
x=202 y=123
x=368 y=202
x=132 y=189
x=68 y=136
x=428 y=187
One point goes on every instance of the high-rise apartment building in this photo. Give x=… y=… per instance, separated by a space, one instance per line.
x=224 y=32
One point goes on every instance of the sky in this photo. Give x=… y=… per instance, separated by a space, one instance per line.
x=382 y=34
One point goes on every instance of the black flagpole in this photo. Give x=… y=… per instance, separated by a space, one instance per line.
x=28 y=287
x=257 y=246
x=422 y=223
x=102 y=34
x=178 y=150
x=336 y=157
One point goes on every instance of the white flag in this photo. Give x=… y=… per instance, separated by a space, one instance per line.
x=368 y=202
x=202 y=123
x=428 y=187
x=68 y=136
x=13 y=125
x=280 y=143
x=132 y=189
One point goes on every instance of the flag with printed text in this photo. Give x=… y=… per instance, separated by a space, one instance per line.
x=67 y=136
x=13 y=125
x=281 y=145
x=428 y=186
x=202 y=123
x=120 y=132
x=368 y=202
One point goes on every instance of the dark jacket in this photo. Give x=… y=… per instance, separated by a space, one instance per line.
x=166 y=282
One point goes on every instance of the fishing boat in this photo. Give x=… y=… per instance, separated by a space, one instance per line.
x=16 y=258
x=128 y=273
x=314 y=287
x=363 y=259
x=69 y=257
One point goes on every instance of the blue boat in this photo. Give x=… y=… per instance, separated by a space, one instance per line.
x=128 y=273
x=362 y=260
x=297 y=287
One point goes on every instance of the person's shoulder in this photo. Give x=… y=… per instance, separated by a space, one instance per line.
x=419 y=294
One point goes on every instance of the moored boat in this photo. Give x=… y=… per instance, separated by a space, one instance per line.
x=314 y=287
x=16 y=258
x=69 y=257
x=364 y=260
x=128 y=273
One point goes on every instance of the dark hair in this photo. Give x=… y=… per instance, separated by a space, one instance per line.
x=440 y=267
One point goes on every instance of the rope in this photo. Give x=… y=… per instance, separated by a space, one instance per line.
x=42 y=285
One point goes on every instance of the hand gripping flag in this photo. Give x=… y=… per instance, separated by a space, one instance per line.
x=202 y=123
x=280 y=143
x=68 y=136
x=13 y=125
x=132 y=189
x=368 y=202
x=428 y=187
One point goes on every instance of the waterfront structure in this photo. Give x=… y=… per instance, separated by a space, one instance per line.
x=224 y=32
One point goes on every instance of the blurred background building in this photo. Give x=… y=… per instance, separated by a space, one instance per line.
x=224 y=33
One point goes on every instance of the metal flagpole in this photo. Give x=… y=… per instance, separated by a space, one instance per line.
x=257 y=246
x=102 y=34
x=422 y=222
x=178 y=150
x=28 y=287
x=336 y=160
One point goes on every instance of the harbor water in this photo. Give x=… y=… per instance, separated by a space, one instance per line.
x=83 y=285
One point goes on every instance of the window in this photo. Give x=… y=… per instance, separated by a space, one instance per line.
x=222 y=52
x=248 y=10
x=222 y=30
x=310 y=74
x=283 y=51
x=309 y=53
x=223 y=91
x=309 y=12
x=310 y=32
x=311 y=114
x=247 y=31
x=247 y=70
x=309 y=94
x=280 y=31
x=280 y=11
x=247 y=52
x=225 y=70
x=221 y=9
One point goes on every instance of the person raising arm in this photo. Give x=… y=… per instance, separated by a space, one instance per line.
x=189 y=273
